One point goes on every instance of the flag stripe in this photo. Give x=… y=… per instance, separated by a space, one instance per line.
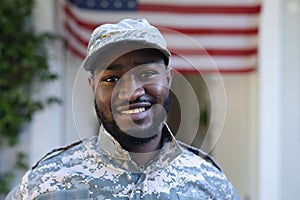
x=213 y=41
x=203 y=9
x=202 y=2
x=214 y=31
x=208 y=62
x=215 y=52
x=245 y=70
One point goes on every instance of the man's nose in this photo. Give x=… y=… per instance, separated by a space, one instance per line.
x=130 y=88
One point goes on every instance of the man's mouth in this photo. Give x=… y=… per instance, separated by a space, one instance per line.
x=133 y=111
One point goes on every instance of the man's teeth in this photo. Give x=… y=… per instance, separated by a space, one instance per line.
x=133 y=111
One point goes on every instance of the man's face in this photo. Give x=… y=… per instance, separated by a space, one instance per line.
x=132 y=95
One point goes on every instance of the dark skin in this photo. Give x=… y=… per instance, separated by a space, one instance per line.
x=130 y=97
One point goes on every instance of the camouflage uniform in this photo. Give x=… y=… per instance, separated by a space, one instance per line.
x=99 y=168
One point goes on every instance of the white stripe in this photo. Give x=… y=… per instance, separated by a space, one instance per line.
x=200 y=42
x=215 y=62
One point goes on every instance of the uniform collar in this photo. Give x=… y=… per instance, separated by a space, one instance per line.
x=112 y=148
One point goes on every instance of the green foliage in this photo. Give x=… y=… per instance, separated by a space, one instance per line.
x=7 y=177
x=23 y=69
x=23 y=65
x=4 y=179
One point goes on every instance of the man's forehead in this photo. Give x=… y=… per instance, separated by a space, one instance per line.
x=118 y=66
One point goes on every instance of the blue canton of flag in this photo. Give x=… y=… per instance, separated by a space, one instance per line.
x=107 y=5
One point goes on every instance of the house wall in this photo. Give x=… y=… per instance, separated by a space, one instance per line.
x=279 y=133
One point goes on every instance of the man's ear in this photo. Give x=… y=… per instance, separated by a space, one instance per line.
x=169 y=75
x=91 y=83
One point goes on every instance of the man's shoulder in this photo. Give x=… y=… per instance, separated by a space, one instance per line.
x=198 y=153
x=57 y=154
x=201 y=169
x=49 y=171
x=63 y=155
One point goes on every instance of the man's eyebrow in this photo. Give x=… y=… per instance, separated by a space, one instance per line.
x=145 y=62
x=114 y=67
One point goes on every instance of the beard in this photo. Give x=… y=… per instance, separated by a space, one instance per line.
x=128 y=140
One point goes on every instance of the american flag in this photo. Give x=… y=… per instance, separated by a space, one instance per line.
x=203 y=35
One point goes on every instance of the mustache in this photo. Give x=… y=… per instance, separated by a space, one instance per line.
x=138 y=100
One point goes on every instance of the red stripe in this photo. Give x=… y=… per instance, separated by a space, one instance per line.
x=211 y=31
x=215 y=52
x=204 y=9
x=74 y=50
x=187 y=31
x=222 y=71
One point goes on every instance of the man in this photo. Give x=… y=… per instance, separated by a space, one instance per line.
x=135 y=155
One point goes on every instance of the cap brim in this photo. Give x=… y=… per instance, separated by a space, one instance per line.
x=110 y=52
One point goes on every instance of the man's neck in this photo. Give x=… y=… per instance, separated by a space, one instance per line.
x=143 y=154
x=148 y=147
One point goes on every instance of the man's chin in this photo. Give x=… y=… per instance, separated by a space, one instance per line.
x=131 y=138
x=141 y=131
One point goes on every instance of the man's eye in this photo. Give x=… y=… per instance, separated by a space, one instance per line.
x=148 y=74
x=112 y=79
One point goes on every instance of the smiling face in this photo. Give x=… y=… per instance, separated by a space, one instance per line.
x=132 y=96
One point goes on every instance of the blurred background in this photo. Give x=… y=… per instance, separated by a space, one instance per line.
x=236 y=89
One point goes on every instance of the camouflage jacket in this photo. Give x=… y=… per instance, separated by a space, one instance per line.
x=99 y=168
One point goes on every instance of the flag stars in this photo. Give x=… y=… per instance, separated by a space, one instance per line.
x=112 y=5
x=118 y=4
x=131 y=4
x=90 y=3
x=78 y=2
x=104 y=4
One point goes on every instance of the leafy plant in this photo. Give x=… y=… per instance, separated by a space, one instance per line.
x=23 y=65
x=23 y=68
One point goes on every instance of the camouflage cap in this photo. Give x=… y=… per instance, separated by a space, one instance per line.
x=109 y=41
